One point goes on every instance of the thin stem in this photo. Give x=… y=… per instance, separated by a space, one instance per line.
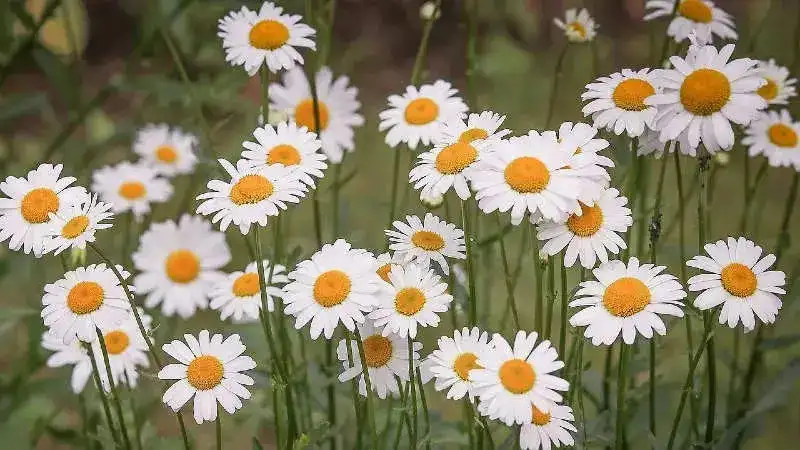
x=551 y=295
x=368 y=383
x=557 y=73
x=425 y=416
x=609 y=359
x=633 y=191
x=538 y=311
x=218 y=429
x=275 y=406
x=468 y=413
x=473 y=301
x=354 y=391
x=102 y=392
x=137 y=426
x=622 y=378
x=687 y=388
x=114 y=394
x=512 y=303
x=85 y=422
x=562 y=332
x=416 y=72
x=331 y=389
x=413 y=395
x=471 y=7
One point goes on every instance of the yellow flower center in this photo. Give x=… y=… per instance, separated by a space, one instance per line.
x=577 y=28
x=517 y=376
x=473 y=134
x=332 y=288
x=85 y=297
x=455 y=158
x=132 y=190
x=304 y=114
x=695 y=10
x=246 y=285
x=626 y=297
x=409 y=301
x=464 y=363
x=284 y=154
x=38 y=203
x=75 y=227
x=768 y=91
x=377 y=350
x=782 y=135
x=538 y=417
x=427 y=240
x=588 y=223
x=205 y=372
x=631 y=93
x=421 y=111
x=183 y=266
x=739 y=280
x=705 y=91
x=251 y=189
x=383 y=272
x=166 y=154
x=527 y=174
x=268 y=35
x=116 y=341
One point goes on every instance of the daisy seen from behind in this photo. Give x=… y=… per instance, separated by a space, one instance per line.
x=550 y=428
x=778 y=87
x=131 y=187
x=168 y=150
x=454 y=360
x=423 y=241
x=238 y=295
x=384 y=263
x=578 y=26
x=700 y=17
x=776 y=136
x=616 y=102
x=78 y=224
x=289 y=145
x=445 y=167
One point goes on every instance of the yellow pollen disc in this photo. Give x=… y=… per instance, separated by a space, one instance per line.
x=517 y=376
x=527 y=174
x=166 y=154
x=246 y=285
x=695 y=10
x=409 y=301
x=205 y=372
x=626 y=297
x=85 y=297
x=421 y=111
x=427 y=240
x=75 y=227
x=116 y=342
x=304 y=114
x=705 y=91
x=539 y=417
x=183 y=266
x=38 y=203
x=251 y=189
x=578 y=28
x=464 y=363
x=268 y=35
x=377 y=350
x=782 y=135
x=473 y=134
x=283 y=154
x=739 y=280
x=332 y=288
x=768 y=91
x=588 y=223
x=631 y=93
x=383 y=272
x=132 y=190
x=455 y=158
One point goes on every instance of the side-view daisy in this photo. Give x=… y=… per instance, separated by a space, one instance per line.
x=238 y=295
x=700 y=17
x=778 y=87
x=650 y=143
x=578 y=26
x=289 y=145
x=72 y=354
x=616 y=102
x=77 y=225
x=384 y=263
x=423 y=241
x=737 y=277
x=775 y=135
x=131 y=187
x=478 y=126
x=550 y=428
x=454 y=360
x=168 y=150
x=126 y=348
x=446 y=166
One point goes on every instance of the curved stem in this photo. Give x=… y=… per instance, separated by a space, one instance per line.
x=473 y=301
x=114 y=394
x=622 y=378
x=554 y=88
x=512 y=303
x=102 y=392
x=413 y=395
x=425 y=416
x=562 y=332
x=687 y=388
x=368 y=383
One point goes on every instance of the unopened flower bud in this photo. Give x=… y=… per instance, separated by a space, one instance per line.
x=431 y=201
x=428 y=11
x=722 y=158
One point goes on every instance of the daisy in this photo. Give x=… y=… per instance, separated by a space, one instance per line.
x=423 y=241
x=386 y=357
x=337 y=284
x=703 y=94
x=336 y=103
x=210 y=370
x=267 y=37
x=510 y=380
x=626 y=300
x=700 y=17
x=737 y=277
x=446 y=167
x=131 y=187
x=590 y=167
x=578 y=26
x=546 y=429
x=25 y=216
x=78 y=224
x=417 y=116
x=238 y=295
x=415 y=296
x=179 y=263
x=127 y=350
x=84 y=299
x=169 y=151
x=73 y=354
x=779 y=88
x=650 y=144
x=384 y=263
x=590 y=235
x=776 y=136
x=252 y=196
x=454 y=360
x=617 y=101
x=485 y=125
x=289 y=145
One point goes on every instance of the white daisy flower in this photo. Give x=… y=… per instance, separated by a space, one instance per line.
x=703 y=94
x=510 y=380
x=85 y=299
x=485 y=125
x=578 y=26
x=131 y=187
x=73 y=354
x=454 y=360
x=417 y=115
x=289 y=145
x=737 y=277
x=590 y=167
x=650 y=144
x=337 y=104
x=170 y=151
x=617 y=101
x=127 y=350
x=25 y=216
x=423 y=241
x=775 y=135
x=78 y=224
x=626 y=300
x=238 y=295
x=548 y=429
x=779 y=88
x=337 y=284
x=590 y=235
x=445 y=167
x=386 y=357
x=210 y=370
x=384 y=263
x=700 y=17
x=252 y=196
x=264 y=38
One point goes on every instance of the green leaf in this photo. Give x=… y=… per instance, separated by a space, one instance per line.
x=257 y=445
x=20 y=105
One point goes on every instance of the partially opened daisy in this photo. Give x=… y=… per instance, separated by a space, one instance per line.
x=336 y=103
x=168 y=150
x=590 y=167
x=131 y=187
x=126 y=348
x=266 y=37
x=253 y=195
x=616 y=102
x=779 y=88
x=210 y=370
x=289 y=145
x=179 y=263
x=71 y=354
x=549 y=428
x=424 y=241
x=650 y=143
x=737 y=277
x=445 y=167
x=483 y=125
x=578 y=26
x=417 y=115
x=454 y=360
x=700 y=17
x=77 y=225
x=626 y=299
x=384 y=263
x=337 y=284
x=83 y=300
x=238 y=295
x=25 y=216
x=511 y=379
x=776 y=136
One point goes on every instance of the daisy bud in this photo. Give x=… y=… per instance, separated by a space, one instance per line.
x=431 y=201
x=77 y=257
x=428 y=11
x=273 y=118
x=722 y=158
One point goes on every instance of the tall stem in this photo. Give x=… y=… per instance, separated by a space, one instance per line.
x=622 y=378
x=473 y=301
x=114 y=394
x=218 y=429
x=687 y=389
x=551 y=295
x=538 y=311
x=471 y=7
x=425 y=415
x=368 y=383
x=633 y=193
x=413 y=395
x=708 y=319
x=562 y=332
x=557 y=73
x=102 y=392
x=512 y=303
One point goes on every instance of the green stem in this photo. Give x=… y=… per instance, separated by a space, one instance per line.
x=416 y=72
x=473 y=301
x=551 y=295
x=687 y=389
x=354 y=391
x=512 y=302
x=368 y=383
x=331 y=389
x=114 y=394
x=218 y=429
x=85 y=422
x=557 y=73
x=538 y=312
x=413 y=395
x=468 y=413
x=633 y=192
x=275 y=406
x=137 y=425
x=425 y=415
x=607 y=377
x=622 y=378
x=562 y=332
x=102 y=392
